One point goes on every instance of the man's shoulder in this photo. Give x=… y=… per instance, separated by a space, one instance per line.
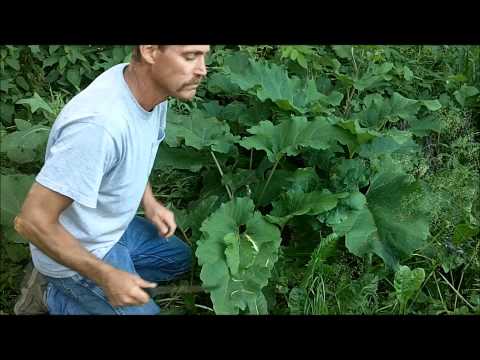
x=102 y=107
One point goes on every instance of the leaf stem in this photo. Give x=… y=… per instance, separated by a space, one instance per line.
x=221 y=174
x=269 y=178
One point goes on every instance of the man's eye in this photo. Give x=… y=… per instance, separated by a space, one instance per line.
x=189 y=57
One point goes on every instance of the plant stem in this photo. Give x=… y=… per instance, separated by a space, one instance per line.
x=192 y=271
x=251 y=159
x=269 y=178
x=456 y=292
x=221 y=174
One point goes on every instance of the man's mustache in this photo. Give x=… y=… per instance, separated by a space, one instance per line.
x=192 y=83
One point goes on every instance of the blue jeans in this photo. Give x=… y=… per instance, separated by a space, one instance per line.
x=142 y=251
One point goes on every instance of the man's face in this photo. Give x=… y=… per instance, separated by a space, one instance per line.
x=178 y=69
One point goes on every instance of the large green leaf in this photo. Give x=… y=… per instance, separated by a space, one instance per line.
x=350 y=174
x=181 y=158
x=35 y=103
x=389 y=224
x=304 y=180
x=374 y=79
x=197 y=212
x=270 y=81
x=361 y=135
x=392 y=141
x=279 y=181
x=288 y=137
x=432 y=105
x=464 y=93
x=403 y=107
x=27 y=145
x=240 y=180
x=237 y=252
x=199 y=132
x=218 y=83
x=294 y=203
x=425 y=126
x=13 y=190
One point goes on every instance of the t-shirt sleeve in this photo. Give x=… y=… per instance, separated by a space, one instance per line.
x=77 y=161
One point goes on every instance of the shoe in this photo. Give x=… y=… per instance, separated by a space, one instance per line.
x=32 y=294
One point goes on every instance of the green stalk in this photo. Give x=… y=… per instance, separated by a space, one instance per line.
x=269 y=178
x=192 y=271
x=221 y=174
x=456 y=292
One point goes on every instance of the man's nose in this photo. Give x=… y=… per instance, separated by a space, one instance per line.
x=201 y=68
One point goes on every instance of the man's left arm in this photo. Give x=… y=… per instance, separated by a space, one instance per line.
x=158 y=214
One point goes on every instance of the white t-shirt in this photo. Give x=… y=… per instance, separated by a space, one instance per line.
x=100 y=153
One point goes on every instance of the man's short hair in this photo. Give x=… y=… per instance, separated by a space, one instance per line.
x=137 y=55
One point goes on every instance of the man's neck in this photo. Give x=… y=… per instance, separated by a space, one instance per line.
x=141 y=87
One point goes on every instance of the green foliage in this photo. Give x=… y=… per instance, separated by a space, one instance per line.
x=309 y=179
x=236 y=263
x=406 y=283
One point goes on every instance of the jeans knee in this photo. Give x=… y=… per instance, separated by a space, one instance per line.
x=185 y=258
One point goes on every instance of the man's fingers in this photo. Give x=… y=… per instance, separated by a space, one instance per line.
x=161 y=226
x=145 y=284
x=172 y=227
x=140 y=296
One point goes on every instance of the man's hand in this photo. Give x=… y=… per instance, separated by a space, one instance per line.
x=125 y=289
x=161 y=217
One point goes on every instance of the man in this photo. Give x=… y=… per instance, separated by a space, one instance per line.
x=91 y=254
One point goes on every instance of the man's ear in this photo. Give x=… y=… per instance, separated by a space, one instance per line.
x=148 y=53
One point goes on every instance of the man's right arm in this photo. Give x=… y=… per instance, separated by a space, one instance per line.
x=38 y=222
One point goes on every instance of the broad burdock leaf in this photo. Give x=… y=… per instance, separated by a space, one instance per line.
x=350 y=174
x=432 y=105
x=379 y=110
x=464 y=232
x=278 y=183
x=237 y=251
x=197 y=212
x=427 y=125
x=392 y=141
x=294 y=203
x=376 y=77
x=181 y=158
x=360 y=135
x=219 y=83
x=270 y=81
x=304 y=180
x=343 y=51
x=388 y=225
x=13 y=190
x=199 y=132
x=26 y=145
x=403 y=108
x=240 y=180
x=464 y=93
x=288 y=137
